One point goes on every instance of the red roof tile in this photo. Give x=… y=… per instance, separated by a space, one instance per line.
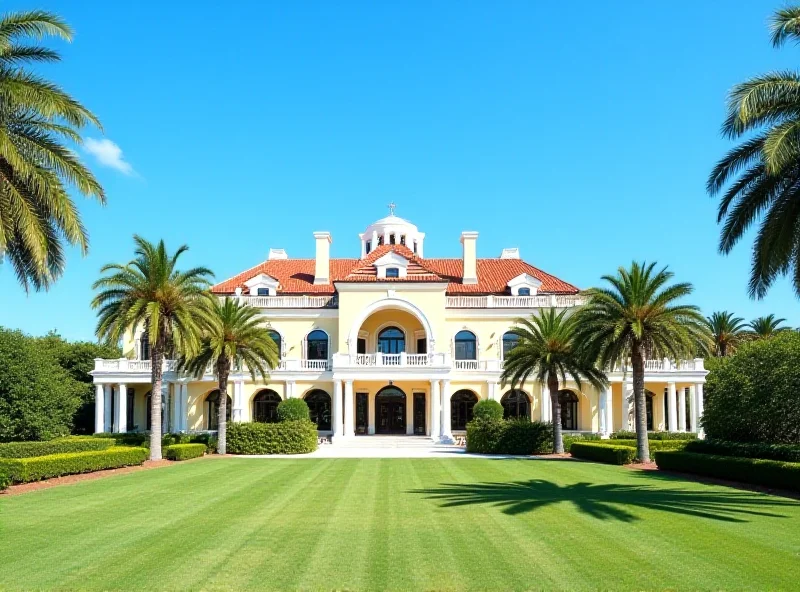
x=296 y=276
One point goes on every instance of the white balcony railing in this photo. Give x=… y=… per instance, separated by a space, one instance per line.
x=401 y=360
x=666 y=365
x=538 y=301
x=125 y=365
x=298 y=301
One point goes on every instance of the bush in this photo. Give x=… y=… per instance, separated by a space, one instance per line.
x=293 y=410
x=654 y=444
x=629 y=435
x=137 y=439
x=784 y=452
x=184 y=451
x=754 y=396
x=285 y=437
x=58 y=446
x=605 y=453
x=770 y=473
x=487 y=410
x=143 y=439
x=23 y=470
x=511 y=436
x=570 y=439
x=5 y=480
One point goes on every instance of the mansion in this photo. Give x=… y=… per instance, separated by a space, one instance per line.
x=392 y=342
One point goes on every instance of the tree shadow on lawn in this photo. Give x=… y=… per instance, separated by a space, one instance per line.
x=608 y=501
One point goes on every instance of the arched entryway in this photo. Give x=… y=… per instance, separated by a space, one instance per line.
x=390 y=411
x=212 y=409
x=319 y=408
x=569 y=409
x=461 y=405
x=516 y=404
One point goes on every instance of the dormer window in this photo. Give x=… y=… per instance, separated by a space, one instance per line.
x=392 y=272
x=262 y=291
x=369 y=246
x=524 y=285
x=262 y=285
x=524 y=292
x=391 y=265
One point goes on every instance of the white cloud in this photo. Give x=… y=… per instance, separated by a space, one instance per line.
x=108 y=154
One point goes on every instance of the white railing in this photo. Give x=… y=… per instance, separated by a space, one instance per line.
x=491 y=301
x=126 y=365
x=314 y=364
x=299 y=301
x=401 y=360
x=417 y=359
x=491 y=365
x=466 y=364
x=665 y=365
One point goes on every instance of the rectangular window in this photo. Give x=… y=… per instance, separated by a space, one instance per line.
x=392 y=272
x=361 y=346
x=369 y=246
x=263 y=291
x=415 y=247
x=422 y=346
x=524 y=291
x=465 y=350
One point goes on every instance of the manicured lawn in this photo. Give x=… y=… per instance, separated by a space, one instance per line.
x=400 y=524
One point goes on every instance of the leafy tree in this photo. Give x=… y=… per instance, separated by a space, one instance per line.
x=233 y=337
x=548 y=350
x=768 y=326
x=77 y=358
x=638 y=316
x=37 y=167
x=754 y=396
x=759 y=180
x=151 y=292
x=727 y=332
x=38 y=398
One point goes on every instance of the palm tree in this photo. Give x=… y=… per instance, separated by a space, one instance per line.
x=768 y=326
x=548 y=350
x=151 y=292
x=37 y=167
x=638 y=316
x=727 y=332
x=233 y=337
x=762 y=174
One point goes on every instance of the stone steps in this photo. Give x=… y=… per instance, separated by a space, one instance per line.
x=388 y=442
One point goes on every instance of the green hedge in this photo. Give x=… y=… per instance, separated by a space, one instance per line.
x=58 y=446
x=570 y=439
x=23 y=470
x=487 y=410
x=771 y=473
x=783 y=452
x=285 y=437
x=605 y=453
x=293 y=410
x=654 y=444
x=5 y=480
x=629 y=435
x=184 y=451
x=509 y=436
x=143 y=439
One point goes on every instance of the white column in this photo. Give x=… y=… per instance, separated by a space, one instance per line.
x=290 y=389
x=672 y=418
x=610 y=410
x=682 y=409
x=183 y=422
x=601 y=411
x=628 y=423
x=237 y=413
x=693 y=408
x=370 y=416
x=699 y=406
x=165 y=407
x=436 y=426
x=491 y=389
x=410 y=414
x=447 y=432
x=175 y=416
x=336 y=410
x=122 y=409
x=544 y=402
x=108 y=421
x=99 y=408
x=349 y=410
x=386 y=237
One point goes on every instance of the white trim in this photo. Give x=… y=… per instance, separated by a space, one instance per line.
x=282 y=352
x=343 y=286
x=384 y=304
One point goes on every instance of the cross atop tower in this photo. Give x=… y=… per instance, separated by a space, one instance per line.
x=391 y=207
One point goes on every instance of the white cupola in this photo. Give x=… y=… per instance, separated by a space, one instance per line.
x=391 y=230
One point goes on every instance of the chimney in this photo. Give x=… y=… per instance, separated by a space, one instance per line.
x=277 y=254
x=469 y=238
x=322 y=273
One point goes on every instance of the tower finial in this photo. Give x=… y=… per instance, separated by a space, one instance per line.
x=391 y=207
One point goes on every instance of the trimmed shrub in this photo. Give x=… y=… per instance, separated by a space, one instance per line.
x=754 y=396
x=629 y=435
x=770 y=473
x=654 y=444
x=487 y=410
x=285 y=437
x=570 y=439
x=293 y=410
x=784 y=452
x=127 y=439
x=184 y=451
x=605 y=453
x=58 y=446
x=143 y=439
x=512 y=436
x=5 y=480
x=23 y=470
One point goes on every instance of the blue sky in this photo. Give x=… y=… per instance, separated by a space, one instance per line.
x=582 y=135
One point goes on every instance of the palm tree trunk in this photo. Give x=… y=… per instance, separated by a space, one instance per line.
x=552 y=386
x=640 y=407
x=222 y=383
x=156 y=359
x=723 y=348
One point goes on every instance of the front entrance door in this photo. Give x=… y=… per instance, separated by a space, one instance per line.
x=390 y=411
x=361 y=413
x=419 y=414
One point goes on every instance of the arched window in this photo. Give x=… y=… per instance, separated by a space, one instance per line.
x=510 y=341
x=276 y=337
x=569 y=409
x=466 y=346
x=265 y=406
x=212 y=410
x=391 y=341
x=461 y=405
x=317 y=345
x=648 y=402
x=319 y=408
x=516 y=404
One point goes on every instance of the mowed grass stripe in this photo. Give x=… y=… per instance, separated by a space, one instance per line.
x=397 y=524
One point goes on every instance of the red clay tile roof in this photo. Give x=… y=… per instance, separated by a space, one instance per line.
x=296 y=276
